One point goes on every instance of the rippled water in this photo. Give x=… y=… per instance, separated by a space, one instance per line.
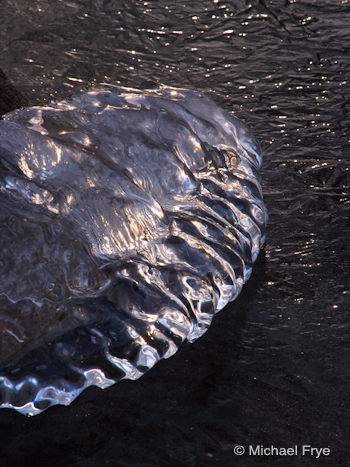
x=274 y=366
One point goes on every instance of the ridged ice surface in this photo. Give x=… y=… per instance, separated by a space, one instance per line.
x=128 y=218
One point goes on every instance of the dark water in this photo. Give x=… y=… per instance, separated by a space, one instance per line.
x=274 y=366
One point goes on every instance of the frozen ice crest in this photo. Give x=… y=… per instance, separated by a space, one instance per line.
x=128 y=218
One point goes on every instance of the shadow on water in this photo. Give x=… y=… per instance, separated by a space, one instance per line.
x=10 y=98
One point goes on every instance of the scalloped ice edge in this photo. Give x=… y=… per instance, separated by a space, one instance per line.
x=172 y=320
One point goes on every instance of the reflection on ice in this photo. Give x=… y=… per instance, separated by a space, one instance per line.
x=128 y=218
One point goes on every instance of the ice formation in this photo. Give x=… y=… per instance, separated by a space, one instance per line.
x=128 y=218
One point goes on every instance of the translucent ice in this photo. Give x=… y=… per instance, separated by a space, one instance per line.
x=128 y=218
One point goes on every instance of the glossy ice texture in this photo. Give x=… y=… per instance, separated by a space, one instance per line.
x=128 y=218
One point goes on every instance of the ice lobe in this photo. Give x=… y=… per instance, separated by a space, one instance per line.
x=127 y=219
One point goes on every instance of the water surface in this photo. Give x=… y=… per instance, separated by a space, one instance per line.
x=274 y=366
